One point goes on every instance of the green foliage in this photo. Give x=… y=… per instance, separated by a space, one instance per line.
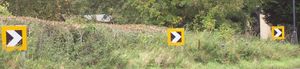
x=33 y=8
x=209 y=23
x=226 y=31
x=4 y=11
x=196 y=14
x=53 y=9
x=280 y=12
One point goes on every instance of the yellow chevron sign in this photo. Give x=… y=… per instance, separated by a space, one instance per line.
x=175 y=36
x=278 y=33
x=14 y=38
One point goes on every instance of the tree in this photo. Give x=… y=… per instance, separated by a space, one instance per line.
x=196 y=14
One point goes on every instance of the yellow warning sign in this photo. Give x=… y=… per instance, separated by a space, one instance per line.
x=278 y=33
x=175 y=36
x=14 y=38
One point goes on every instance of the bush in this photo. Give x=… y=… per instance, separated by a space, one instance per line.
x=4 y=11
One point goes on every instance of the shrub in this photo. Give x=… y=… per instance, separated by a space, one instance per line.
x=4 y=11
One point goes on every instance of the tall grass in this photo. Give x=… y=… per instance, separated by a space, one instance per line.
x=96 y=46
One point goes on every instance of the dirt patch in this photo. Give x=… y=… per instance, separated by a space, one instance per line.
x=137 y=28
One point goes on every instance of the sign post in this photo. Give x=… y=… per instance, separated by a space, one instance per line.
x=294 y=38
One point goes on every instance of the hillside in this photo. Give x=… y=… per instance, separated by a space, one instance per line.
x=125 y=27
x=54 y=44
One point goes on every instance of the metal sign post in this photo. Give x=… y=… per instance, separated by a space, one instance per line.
x=23 y=59
x=294 y=38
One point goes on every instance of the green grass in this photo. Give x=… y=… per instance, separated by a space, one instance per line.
x=96 y=46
